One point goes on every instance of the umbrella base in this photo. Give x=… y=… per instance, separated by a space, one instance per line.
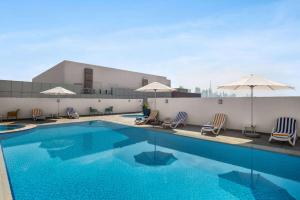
x=250 y=131
x=252 y=135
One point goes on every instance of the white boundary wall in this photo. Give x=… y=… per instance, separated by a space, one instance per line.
x=49 y=105
x=202 y=110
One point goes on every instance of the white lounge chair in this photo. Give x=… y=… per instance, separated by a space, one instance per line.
x=179 y=120
x=285 y=130
x=146 y=120
x=217 y=124
x=37 y=114
x=72 y=114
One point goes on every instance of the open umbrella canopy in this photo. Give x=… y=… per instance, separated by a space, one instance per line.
x=155 y=87
x=58 y=91
x=255 y=81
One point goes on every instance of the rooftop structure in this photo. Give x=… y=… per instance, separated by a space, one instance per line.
x=95 y=78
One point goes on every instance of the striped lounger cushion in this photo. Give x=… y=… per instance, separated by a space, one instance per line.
x=181 y=116
x=285 y=126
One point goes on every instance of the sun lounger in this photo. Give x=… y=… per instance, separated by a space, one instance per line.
x=13 y=114
x=285 y=130
x=146 y=120
x=179 y=120
x=216 y=126
x=108 y=110
x=71 y=113
x=94 y=111
x=37 y=114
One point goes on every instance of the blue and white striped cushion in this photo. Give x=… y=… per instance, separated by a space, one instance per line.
x=181 y=116
x=286 y=125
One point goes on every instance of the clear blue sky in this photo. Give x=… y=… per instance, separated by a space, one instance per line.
x=191 y=42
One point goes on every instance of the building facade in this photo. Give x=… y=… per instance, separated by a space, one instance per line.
x=96 y=79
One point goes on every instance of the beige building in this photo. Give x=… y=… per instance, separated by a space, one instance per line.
x=94 y=78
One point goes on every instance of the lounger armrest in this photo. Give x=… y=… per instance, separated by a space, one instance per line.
x=273 y=131
x=208 y=126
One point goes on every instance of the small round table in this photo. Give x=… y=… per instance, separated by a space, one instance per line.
x=250 y=131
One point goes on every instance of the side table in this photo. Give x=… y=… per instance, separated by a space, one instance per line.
x=250 y=131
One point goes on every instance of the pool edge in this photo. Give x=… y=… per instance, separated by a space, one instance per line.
x=26 y=127
x=5 y=190
x=179 y=132
x=190 y=134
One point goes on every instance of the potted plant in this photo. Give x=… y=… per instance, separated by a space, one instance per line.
x=146 y=110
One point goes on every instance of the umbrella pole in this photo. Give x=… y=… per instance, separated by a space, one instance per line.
x=154 y=99
x=252 y=87
x=252 y=128
x=251 y=106
x=58 y=101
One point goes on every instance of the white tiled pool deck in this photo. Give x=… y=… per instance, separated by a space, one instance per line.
x=5 y=192
x=229 y=137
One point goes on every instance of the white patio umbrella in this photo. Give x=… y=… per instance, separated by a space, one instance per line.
x=257 y=82
x=155 y=87
x=58 y=91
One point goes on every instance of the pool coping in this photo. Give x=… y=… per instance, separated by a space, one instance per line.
x=5 y=190
x=185 y=133
x=219 y=138
x=26 y=127
x=191 y=134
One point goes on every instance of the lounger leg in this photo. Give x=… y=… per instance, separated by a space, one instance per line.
x=270 y=139
x=216 y=132
x=292 y=141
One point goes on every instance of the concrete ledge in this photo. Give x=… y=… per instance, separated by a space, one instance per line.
x=244 y=142
x=5 y=192
x=26 y=127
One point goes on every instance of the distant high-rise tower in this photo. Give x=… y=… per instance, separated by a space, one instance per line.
x=210 y=90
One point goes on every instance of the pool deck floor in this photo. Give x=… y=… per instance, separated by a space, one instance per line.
x=229 y=136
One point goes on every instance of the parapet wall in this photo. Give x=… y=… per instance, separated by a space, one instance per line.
x=202 y=110
x=50 y=105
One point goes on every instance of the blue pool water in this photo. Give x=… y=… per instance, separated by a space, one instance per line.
x=101 y=160
x=10 y=127
x=133 y=115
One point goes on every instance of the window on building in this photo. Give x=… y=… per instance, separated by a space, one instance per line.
x=88 y=78
x=144 y=81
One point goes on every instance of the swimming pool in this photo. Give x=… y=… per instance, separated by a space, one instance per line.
x=102 y=160
x=9 y=127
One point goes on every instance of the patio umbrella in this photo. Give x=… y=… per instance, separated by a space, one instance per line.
x=257 y=82
x=58 y=91
x=155 y=87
